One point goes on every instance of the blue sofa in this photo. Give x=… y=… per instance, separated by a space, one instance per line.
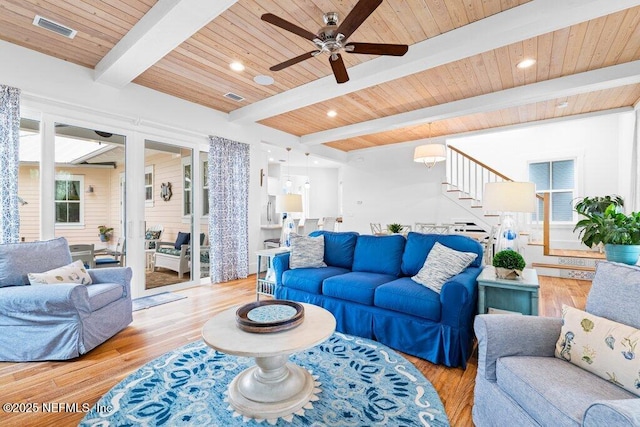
x=58 y=321
x=367 y=286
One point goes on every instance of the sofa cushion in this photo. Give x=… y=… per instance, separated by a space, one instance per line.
x=406 y=296
x=19 y=259
x=338 y=247
x=379 y=254
x=70 y=273
x=306 y=252
x=419 y=245
x=167 y=250
x=357 y=286
x=615 y=292
x=309 y=279
x=182 y=239
x=552 y=391
x=600 y=346
x=103 y=294
x=441 y=264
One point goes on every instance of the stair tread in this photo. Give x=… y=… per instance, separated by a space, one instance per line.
x=576 y=253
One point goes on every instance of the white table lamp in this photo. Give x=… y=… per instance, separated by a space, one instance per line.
x=508 y=197
x=288 y=203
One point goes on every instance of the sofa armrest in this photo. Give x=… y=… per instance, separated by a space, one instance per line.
x=38 y=303
x=458 y=297
x=625 y=412
x=280 y=264
x=120 y=275
x=502 y=335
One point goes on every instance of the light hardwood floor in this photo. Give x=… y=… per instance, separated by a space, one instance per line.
x=159 y=329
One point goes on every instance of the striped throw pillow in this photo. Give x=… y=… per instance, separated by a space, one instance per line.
x=306 y=252
x=441 y=264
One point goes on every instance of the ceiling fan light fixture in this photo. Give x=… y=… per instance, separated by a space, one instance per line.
x=263 y=80
x=526 y=63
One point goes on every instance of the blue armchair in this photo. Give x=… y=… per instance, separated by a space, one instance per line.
x=58 y=321
x=521 y=382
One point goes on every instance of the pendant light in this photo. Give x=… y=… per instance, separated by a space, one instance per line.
x=288 y=183
x=307 y=184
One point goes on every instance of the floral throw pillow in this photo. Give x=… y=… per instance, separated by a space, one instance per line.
x=441 y=264
x=306 y=252
x=600 y=346
x=72 y=273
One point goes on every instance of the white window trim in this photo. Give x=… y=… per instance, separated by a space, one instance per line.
x=204 y=173
x=149 y=170
x=186 y=161
x=577 y=183
x=68 y=177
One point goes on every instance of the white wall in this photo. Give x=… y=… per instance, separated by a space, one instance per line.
x=385 y=185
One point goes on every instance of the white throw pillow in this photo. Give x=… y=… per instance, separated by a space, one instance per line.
x=441 y=264
x=72 y=273
x=600 y=346
x=306 y=252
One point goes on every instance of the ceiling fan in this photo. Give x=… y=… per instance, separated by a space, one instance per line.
x=332 y=38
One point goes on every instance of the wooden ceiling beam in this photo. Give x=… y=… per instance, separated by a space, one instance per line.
x=589 y=81
x=519 y=23
x=162 y=29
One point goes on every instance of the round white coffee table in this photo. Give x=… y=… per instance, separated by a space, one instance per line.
x=275 y=387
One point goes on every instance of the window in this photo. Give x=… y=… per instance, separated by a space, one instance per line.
x=148 y=186
x=205 y=188
x=69 y=199
x=186 y=178
x=556 y=177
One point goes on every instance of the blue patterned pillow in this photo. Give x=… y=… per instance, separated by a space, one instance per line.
x=441 y=264
x=306 y=252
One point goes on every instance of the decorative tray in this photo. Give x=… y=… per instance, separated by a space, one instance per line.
x=269 y=316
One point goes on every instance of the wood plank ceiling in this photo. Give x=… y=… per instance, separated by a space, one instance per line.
x=198 y=70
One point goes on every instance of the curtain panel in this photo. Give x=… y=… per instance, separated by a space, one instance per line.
x=9 y=162
x=228 y=209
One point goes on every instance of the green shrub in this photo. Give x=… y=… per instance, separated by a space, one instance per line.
x=509 y=259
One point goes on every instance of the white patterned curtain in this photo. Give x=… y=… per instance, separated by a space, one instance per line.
x=9 y=160
x=229 y=209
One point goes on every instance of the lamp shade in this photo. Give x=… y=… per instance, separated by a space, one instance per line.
x=430 y=153
x=288 y=203
x=509 y=196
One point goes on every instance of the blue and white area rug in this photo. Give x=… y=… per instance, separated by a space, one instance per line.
x=358 y=382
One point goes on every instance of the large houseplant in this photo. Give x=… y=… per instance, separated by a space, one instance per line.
x=617 y=231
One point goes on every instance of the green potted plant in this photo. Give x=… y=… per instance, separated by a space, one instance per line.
x=104 y=233
x=509 y=264
x=617 y=231
x=394 y=228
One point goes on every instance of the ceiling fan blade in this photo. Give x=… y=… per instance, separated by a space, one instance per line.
x=339 y=70
x=286 y=25
x=377 y=48
x=357 y=16
x=294 y=61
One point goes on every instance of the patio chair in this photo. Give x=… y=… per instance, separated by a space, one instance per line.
x=111 y=258
x=175 y=255
x=152 y=236
x=83 y=252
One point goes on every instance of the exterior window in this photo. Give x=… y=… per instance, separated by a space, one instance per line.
x=186 y=177
x=205 y=188
x=556 y=177
x=148 y=186
x=69 y=200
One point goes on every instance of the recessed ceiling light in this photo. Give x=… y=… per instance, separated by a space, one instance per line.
x=526 y=63
x=236 y=66
x=332 y=113
x=263 y=80
x=563 y=104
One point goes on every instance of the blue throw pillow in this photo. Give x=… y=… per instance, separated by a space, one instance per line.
x=379 y=254
x=182 y=239
x=338 y=247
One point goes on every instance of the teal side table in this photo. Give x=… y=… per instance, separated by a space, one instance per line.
x=519 y=296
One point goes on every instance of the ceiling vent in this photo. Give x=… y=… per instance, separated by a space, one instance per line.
x=233 y=96
x=50 y=25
